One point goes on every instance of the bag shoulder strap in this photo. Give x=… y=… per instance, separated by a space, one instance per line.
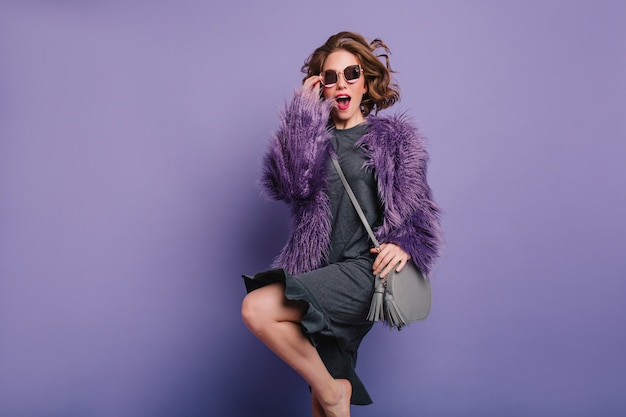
x=355 y=202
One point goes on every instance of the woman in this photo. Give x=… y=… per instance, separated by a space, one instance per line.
x=311 y=309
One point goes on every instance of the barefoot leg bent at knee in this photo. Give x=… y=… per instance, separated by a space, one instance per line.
x=276 y=322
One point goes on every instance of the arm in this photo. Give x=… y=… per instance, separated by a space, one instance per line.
x=418 y=239
x=420 y=236
x=411 y=216
x=298 y=150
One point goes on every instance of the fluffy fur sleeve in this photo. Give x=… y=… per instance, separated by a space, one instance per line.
x=411 y=216
x=294 y=170
x=298 y=150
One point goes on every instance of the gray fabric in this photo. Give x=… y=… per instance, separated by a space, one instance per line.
x=349 y=238
x=356 y=204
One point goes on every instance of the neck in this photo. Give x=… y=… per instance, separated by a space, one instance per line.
x=347 y=124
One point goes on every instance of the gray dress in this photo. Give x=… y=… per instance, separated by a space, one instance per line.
x=339 y=294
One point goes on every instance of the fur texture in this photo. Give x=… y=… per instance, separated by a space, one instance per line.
x=295 y=170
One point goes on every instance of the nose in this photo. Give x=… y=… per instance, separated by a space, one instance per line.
x=341 y=81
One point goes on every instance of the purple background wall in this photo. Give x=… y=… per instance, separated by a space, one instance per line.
x=131 y=135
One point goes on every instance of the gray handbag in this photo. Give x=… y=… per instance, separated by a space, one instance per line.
x=402 y=297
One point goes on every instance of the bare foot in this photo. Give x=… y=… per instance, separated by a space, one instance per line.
x=337 y=402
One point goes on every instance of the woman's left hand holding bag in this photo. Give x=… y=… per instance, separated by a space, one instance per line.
x=389 y=255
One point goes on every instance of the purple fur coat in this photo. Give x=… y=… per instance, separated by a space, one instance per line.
x=295 y=170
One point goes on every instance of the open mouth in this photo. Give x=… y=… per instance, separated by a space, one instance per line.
x=343 y=102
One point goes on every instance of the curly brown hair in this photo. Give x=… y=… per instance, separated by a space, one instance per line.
x=382 y=92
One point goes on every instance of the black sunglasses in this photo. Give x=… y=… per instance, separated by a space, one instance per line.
x=351 y=74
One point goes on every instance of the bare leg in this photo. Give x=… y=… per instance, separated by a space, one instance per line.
x=318 y=411
x=275 y=321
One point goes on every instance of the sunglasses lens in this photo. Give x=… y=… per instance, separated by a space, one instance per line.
x=330 y=77
x=352 y=73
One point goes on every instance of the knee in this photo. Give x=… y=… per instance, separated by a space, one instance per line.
x=252 y=312
x=265 y=306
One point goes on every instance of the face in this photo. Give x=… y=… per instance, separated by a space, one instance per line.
x=347 y=94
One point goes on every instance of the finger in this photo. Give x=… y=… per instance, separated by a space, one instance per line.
x=401 y=265
x=381 y=260
x=387 y=270
x=386 y=262
x=398 y=261
x=376 y=268
x=376 y=262
x=312 y=82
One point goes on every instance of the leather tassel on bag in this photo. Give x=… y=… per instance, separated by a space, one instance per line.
x=393 y=316
x=376 y=312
